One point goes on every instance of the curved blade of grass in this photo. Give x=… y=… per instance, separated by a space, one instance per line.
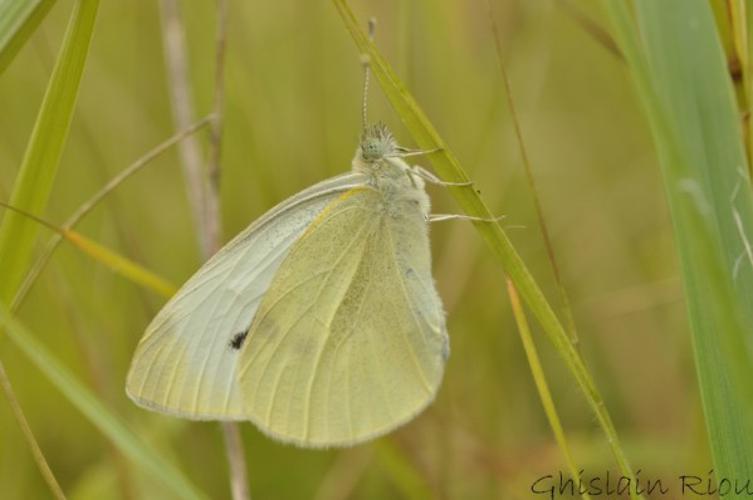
x=31 y=441
x=18 y=21
x=448 y=167
x=107 y=422
x=540 y=380
x=95 y=200
x=681 y=76
x=116 y=262
x=33 y=184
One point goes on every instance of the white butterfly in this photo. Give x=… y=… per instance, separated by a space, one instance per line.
x=320 y=322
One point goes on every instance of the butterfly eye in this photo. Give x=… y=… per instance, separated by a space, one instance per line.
x=370 y=151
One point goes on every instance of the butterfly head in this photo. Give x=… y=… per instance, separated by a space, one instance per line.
x=376 y=143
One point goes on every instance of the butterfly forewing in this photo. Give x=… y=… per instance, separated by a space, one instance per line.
x=349 y=341
x=186 y=362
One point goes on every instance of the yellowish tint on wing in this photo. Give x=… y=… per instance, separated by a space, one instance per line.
x=341 y=349
x=185 y=364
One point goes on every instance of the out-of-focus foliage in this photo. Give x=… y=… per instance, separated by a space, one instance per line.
x=685 y=81
x=293 y=117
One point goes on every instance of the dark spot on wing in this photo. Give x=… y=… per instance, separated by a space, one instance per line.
x=237 y=341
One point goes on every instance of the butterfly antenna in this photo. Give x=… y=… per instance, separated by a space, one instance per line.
x=366 y=73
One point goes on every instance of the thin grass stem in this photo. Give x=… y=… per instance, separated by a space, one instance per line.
x=36 y=451
x=90 y=204
x=203 y=184
x=564 y=297
x=539 y=378
x=181 y=104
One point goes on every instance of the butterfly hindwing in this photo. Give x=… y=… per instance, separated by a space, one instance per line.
x=349 y=341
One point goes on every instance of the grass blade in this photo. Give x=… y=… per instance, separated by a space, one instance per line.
x=39 y=166
x=108 y=423
x=448 y=167
x=121 y=265
x=531 y=180
x=117 y=263
x=93 y=202
x=540 y=380
x=681 y=76
x=36 y=451
x=18 y=21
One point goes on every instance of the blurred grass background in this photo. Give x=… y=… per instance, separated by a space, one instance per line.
x=292 y=117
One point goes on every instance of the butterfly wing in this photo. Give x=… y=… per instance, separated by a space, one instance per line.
x=349 y=341
x=185 y=364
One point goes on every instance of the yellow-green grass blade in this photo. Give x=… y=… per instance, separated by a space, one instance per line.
x=116 y=262
x=107 y=422
x=539 y=379
x=119 y=264
x=681 y=76
x=18 y=21
x=36 y=175
x=93 y=202
x=448 y=167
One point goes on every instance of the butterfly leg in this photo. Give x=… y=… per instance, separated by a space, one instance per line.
x=405 y=152
x=444 y=217
x=433 y=179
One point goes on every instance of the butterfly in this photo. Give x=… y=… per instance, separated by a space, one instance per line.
x=320 y=322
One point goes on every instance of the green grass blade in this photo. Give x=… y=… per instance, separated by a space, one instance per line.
x=18 y=21
x=448 y=167
x=107 y=422
x=681 y=76
x=37 y=173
